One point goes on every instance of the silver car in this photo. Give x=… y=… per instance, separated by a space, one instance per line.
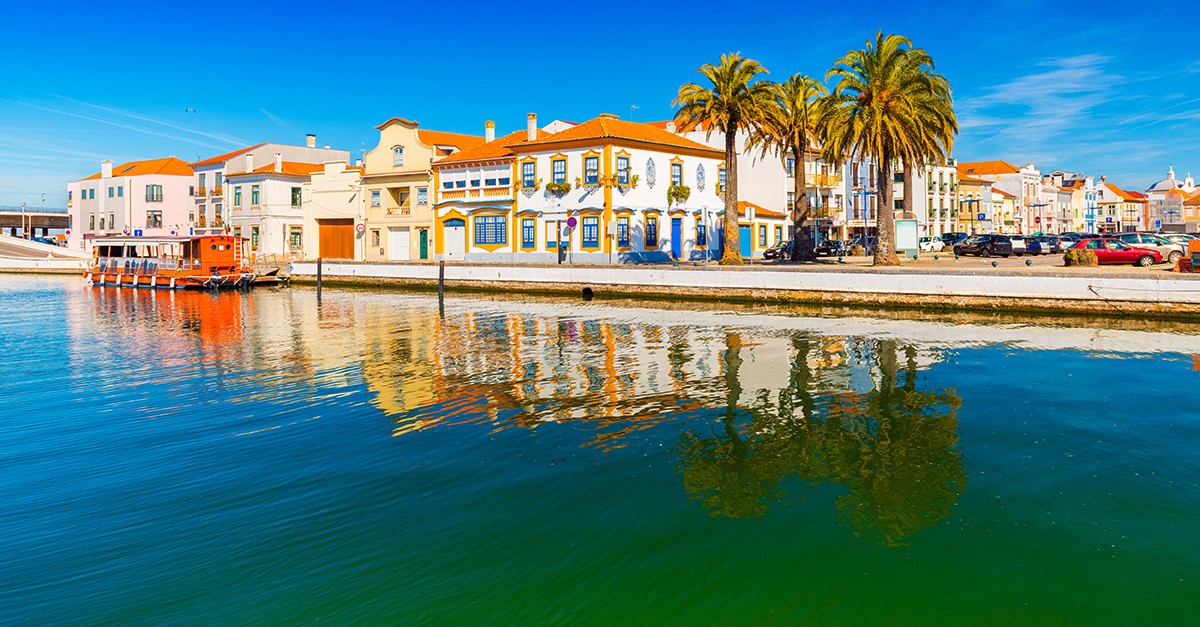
x=1170 y=251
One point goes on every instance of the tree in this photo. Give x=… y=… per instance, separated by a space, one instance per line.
x=735 y=101
x=887 y=104
x=788 y=129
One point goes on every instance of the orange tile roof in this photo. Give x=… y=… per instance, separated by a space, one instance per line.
x=968 y=179
x=499 y=148
x=609 y=127
x=443 y=138
x=1124 y=195
x=1194 y=200
x=997 y=190
x=392 y=121
x=289 y=168
x=987 y=167
x=759 y=211
x=168 y=166
x=226 y=157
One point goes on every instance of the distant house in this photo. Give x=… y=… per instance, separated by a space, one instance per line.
x=151 y=198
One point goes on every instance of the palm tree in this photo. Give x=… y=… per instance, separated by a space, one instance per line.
x=789 y=128
x=735 y=101
x=887 y=105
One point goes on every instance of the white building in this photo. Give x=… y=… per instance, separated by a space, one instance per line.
x=266 y=208
x=149 y=198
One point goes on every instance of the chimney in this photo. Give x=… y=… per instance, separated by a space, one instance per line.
x=489 y=131
x=531 y=127
x=358 y=163
x=106 y=169
x=278 y=162
x=310 y=140
x=671 y=126
x=250 y=162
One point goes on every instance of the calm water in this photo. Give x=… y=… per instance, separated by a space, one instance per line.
x=262 y=459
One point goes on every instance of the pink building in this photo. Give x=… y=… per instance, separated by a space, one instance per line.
x=151 y=198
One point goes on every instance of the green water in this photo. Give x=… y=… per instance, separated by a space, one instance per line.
x=262 y=458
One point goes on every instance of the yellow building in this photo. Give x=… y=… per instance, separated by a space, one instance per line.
x=398 y=190
x=976 y=214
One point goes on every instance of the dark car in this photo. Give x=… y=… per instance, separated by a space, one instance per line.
x=830 y=248
x=950 y=239
x=985 y=246
x=782 y=250
x=1052 y=244
x=1034 y=247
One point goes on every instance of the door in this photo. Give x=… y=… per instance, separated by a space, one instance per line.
x=424 y=236
x=335 y=239
x=455 y=232
x=744 y=241
x=677 y=238
x=398 y=244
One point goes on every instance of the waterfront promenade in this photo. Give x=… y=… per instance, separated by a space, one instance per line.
x=944 y=284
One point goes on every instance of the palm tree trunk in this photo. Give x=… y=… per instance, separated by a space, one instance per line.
x=802 y=246
x=885 y=220
x=732 y=255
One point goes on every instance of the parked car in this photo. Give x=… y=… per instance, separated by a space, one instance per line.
x=1018 y=244
x=782 y=250
x=1033 y=247
x=990 y=245
x=931 y=244
x=1170 y=251
x=950 y=239
x=1051 y=244
x=1180 y=238
x=1114 y=251
x=830 y=248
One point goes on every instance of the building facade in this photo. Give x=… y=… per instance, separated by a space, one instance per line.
x=151 y=198
x=331 y=203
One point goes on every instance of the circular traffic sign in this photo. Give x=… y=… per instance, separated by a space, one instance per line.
x=360 y=228
x=571 y=222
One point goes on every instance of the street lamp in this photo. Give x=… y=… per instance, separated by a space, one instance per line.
x=1039 y=206
x=969 y=201
x=865 y=193
x=23 y=231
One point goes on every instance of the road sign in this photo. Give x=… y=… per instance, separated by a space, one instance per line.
x=137 y=232
x=360 y=228
x=1158 y=224
x=1108 y=219
x=982 y=216
x=572 y=222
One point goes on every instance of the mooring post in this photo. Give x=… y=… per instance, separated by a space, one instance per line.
x=318 y=278
x=441 y=286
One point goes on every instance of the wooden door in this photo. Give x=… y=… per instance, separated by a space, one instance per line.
x=336 y=239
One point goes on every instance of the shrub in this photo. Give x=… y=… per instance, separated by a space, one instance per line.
x=678 y=194
x=1081 y=257
x=558 y=189
x=857 y=250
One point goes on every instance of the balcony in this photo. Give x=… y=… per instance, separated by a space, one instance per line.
x=201 y=192
x=823 y=180
x=217 y=191
x=454 y=195
x=404 y=210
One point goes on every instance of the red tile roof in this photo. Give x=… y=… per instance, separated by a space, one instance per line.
x=759 y=211
x=226 y=157
x=997 y=190
x=608 y=127
x=289 y=168
x=443 y=138
x=168 y=166
x=977 y=168
x=1194 y=200
x=499 y=148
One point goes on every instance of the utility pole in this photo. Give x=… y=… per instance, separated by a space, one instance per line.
x=23 y=232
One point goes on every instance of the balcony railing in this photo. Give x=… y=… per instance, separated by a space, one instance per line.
x=201 y=192
x=823 y=180
x=217 y=191
x=404 y=210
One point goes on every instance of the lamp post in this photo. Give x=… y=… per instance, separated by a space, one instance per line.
x=969 y=201
x=23 y=231
x=1039 y=206
x=865 y=193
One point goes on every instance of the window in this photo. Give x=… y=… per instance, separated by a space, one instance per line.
x=154 y=193
x=778 y=234
x=70 y=195
x=375 y=238
x=218 y=219
x=153 y=219
x=622 y=170
x=296 y=237
x=237 y=231
x=791 y=166
x=120 y=191
x=201 y=180
x=898 y=204
x=623 y=231
x=591 y=232
x=397 y=157
x=91 y=222
x=558 y=169
x=721 y=180
x=237 y=196
x=651 y=232
x=552 y=234
x=591 y=170
x=102 y=222
x=762 y=236
x=528 y=233
x=489 y=182
x=112 y=191
x=254 y=237
x=254 y=194
x=460 y=184
x=112 y=221
x=191 y=216
x=295 y=196
x=504 y=180
x=422 y=196
x=676 y=174
x=447 y=184
x=701 y=234
x=491 y=230
x=92 y=194
x=898 y=177
x=791 y=200
x=528 y=174
x=220 y=179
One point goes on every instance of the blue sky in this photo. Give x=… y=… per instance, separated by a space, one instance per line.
x=1101 y=88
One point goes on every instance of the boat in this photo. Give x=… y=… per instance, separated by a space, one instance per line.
x=197 y=262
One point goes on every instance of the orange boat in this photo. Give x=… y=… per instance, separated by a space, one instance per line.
x=204 y=262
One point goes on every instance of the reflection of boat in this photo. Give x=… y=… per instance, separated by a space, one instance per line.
x=209 y=261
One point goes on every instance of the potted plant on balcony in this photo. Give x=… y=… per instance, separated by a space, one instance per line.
x=678 y=194
x=558 y=189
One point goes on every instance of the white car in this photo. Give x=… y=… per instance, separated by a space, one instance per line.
x=1018 y=243
x=931 y=245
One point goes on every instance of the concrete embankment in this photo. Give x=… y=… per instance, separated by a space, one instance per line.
x=1089 y=291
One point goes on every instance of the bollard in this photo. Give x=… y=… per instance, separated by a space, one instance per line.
x=318 y=278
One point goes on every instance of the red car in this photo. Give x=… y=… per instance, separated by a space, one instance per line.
x=1114 y=251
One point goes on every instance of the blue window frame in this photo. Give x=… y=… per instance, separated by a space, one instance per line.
x=677 y=174
x=778 y=234
x=623 y=170
x=651 y=232
x=447 y=184
x=721 y=179
x=491 y=230
x=528 y=233
x=591 y=170
x=622 y=231
x=559 y=170
x=762 y=236
x=397 y=157
x=460 y=184
x=701 y=234
x=591 y=232
x=528 y=174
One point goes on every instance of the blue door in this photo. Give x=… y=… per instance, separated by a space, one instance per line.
x=677 y=237
x=744 y=239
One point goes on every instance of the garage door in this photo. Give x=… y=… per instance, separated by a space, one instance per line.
x=398 y=244
x=336 y=239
